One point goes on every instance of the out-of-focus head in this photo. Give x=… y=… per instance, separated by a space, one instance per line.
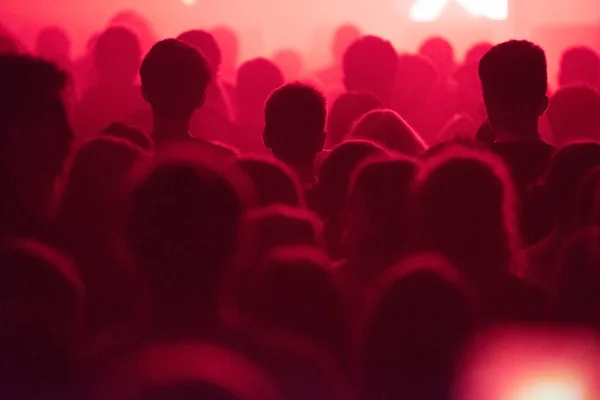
x=370 y=64
x=514 y=78
x=132 y=135
x=117 y=55
x=185 y=229
x=580 y=65
x=421 y=318
x=574 y=114
x=35 y=134
x=345 y=111
x=469 y=91
x=228 y=43
x=295 y=117
x=387 y=128
x=441 y=53
x=256 y=80
x=138 y=24
x=175 y=77
x=53 y=43
x=343 y=37
x=206 y=44
x=414 y=82
x=476 y=52
x=467 y=210
x=290 y=62
x=569 y=165
x=274 y=183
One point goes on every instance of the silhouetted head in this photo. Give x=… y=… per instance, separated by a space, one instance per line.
x=343 y=38
x=139 y=24
x=291 y=63
x=345 y=111
x=256 y=80
x=387 y=128
x=117 y=55
x=580 y=65
x=274 y=183
x=228 y=43
x=53 y=44
x=295 y=289
x=515 y=81
x=174 y=79
x=295 y=117
x=184 y=231
x=132 y=135
x=468 y=91
x=476 y=52
x=569 y=165
x=370 y=65
x=420 y=320
x=381 y=208
x=441 y=53
x=574 y=114
x=467 y=205
x=414 y=82
x=206 y=44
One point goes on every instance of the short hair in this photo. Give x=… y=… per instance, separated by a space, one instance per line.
x=51 y=41
x=441 y=53
x=514 y=77
x=175 y=77
x=574 y=113
x=345 y=111
x=117 y=54
x=370 y=64
x=256 y=80
x=206 y=44
x=579 y=65
x=295 y=117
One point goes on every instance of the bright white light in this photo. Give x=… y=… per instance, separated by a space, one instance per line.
x=431 y=10
x=188 y=2
x=552 y=390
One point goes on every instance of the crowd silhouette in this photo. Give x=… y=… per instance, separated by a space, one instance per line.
x=175 y=224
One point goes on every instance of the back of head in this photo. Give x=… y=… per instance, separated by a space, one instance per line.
x=206 y=44
x=256 y=80
x=441 y=53
x=414 y=83
x=387 y=128
x=345 y=111
x=343 y=37
x=467 y=203
x=274 y=183
x=421 y=318
x=567 y=168
x=574 y=114
x=514 y=78
x=175 y=77
x=580 y=65
x=476 y=52
x=294 y=289
x=295 y=117
x=228 y=43
x=185 y=230
x=117 y=55
x=53 y=43
x=370 y=65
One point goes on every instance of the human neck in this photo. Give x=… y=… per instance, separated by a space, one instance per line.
x=166 y=128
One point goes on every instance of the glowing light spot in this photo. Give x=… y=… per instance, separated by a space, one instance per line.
x=189 y=2
x=431 y=10
x=552 y=390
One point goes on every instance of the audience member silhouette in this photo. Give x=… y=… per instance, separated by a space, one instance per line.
x=334 y=181
x=389 y=130
x=345 y=111
x=441 y=53
x=332 y=76
x=256 y=80
x=175 y=77
x=35 y=142
x=137 y=23
x=229 y=44
x=53 y=44
x=370 y=65
x=274 y=183
x=117 y=56
x=515 y=81
x=295 y=117
x=574 y=114
x=580 y=65
x=291 y=64
x=476 y=52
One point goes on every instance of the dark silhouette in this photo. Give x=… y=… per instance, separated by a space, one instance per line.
x=370 y=65
x=129 y=134
x=274 y=183
x=117 y=55
x=295 y=117
x=574 y=114
x=175 y=77
x=345 y=111
x=53 y=44
x=441 y=54
x=255 y=81
x=334 y=180
x=389 y=130
x=35 y=142
x=580 y=65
